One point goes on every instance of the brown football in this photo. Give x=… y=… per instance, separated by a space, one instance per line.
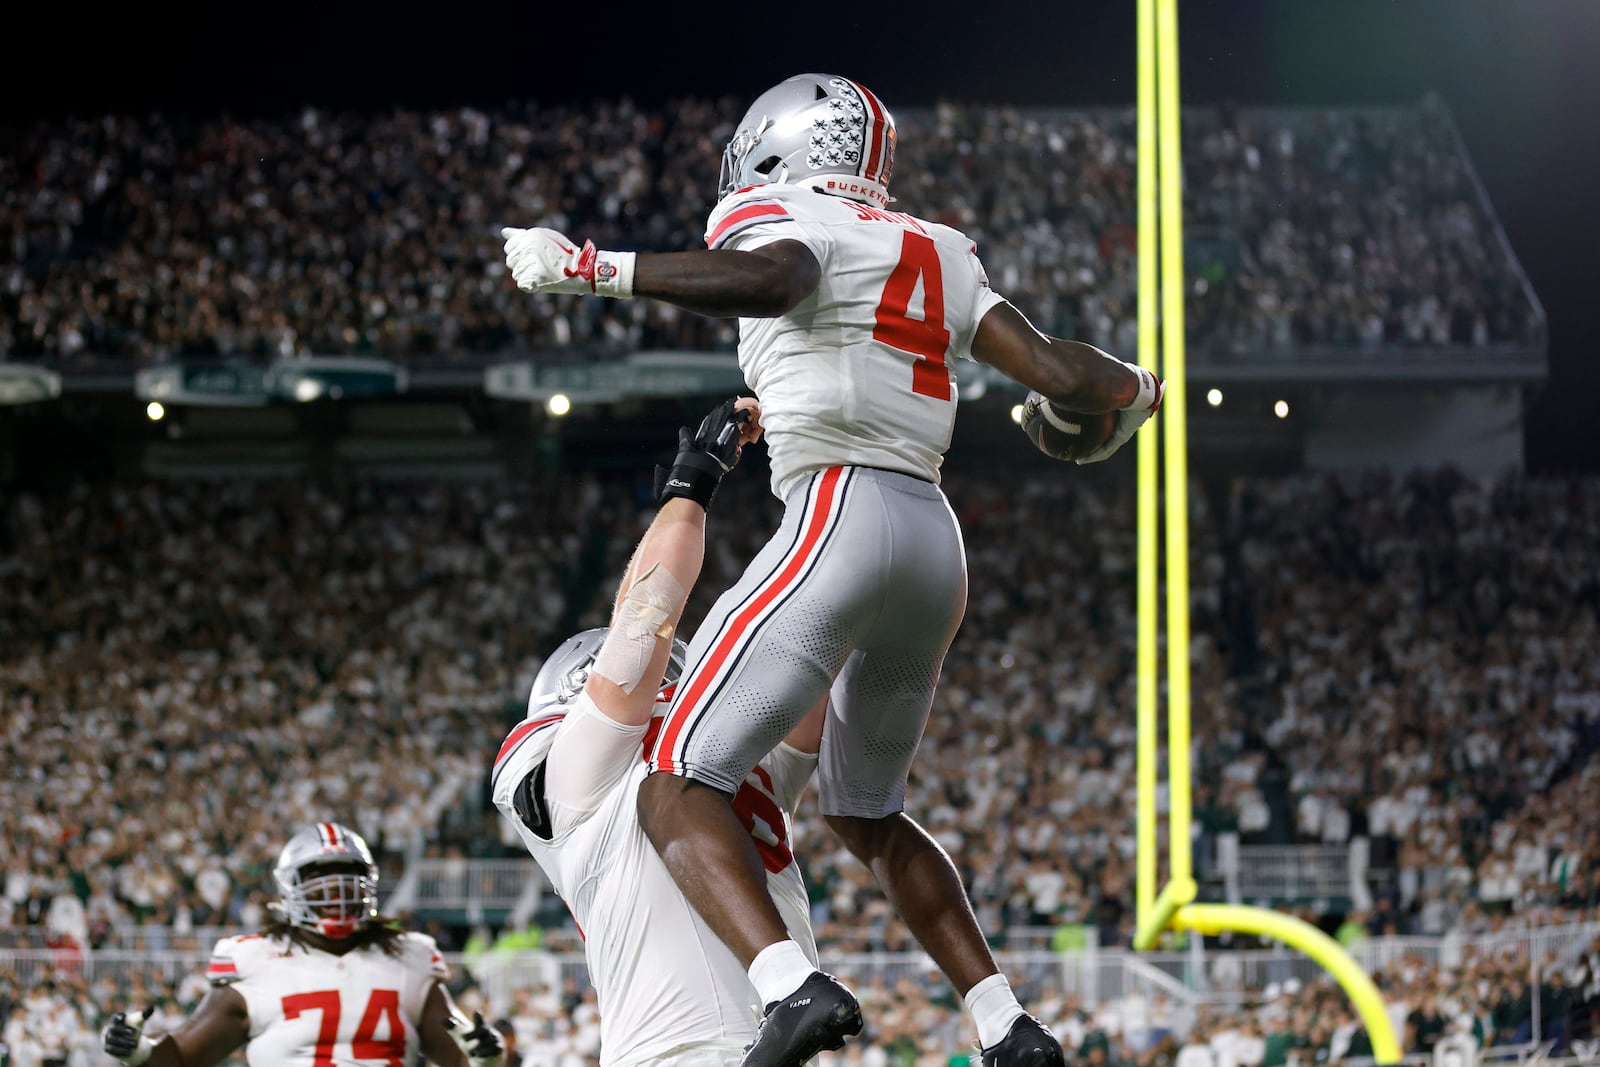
x=1064 y=435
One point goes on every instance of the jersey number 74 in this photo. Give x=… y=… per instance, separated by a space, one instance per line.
x=384 y=1004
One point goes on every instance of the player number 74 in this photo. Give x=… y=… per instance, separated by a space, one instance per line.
x=384 y=1004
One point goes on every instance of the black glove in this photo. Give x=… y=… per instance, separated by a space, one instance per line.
x=124 y=1040
x=482 y=1043
x=703 y=456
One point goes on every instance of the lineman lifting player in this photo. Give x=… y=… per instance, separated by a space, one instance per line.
x=850 y=314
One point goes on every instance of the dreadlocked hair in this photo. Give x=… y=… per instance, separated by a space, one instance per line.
x=381 y=930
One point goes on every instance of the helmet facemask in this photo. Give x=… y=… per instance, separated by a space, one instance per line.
x=332 y=899
x=733 y=157
x=572 y=683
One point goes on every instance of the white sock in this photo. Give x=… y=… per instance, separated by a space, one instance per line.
x=994 y=1008
x=778 y=970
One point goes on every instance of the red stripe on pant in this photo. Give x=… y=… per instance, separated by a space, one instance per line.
x=729 y=642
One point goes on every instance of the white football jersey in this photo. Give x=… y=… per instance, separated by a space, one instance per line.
x=308 y=1007
x=665 y=981
x=859 y=373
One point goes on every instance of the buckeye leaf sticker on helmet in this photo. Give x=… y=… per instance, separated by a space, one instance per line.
x=817 y=130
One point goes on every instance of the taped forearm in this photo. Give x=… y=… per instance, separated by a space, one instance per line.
x=644 y=615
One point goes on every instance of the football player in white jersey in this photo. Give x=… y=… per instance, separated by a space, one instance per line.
x=850 y=315
x=330 y=983
x=567 y=777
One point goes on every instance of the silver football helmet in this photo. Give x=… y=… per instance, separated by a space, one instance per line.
x=816 y=130
x=563 y=675
x=327 y=880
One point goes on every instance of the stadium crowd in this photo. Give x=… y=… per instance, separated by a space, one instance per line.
x=1450 y=619
x=916 y=1021
x=190 y=671
x=156 y=237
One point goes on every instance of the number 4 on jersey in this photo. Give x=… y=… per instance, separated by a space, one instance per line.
x=925 y=337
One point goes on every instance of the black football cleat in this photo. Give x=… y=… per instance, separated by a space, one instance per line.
x=816 y=1017
x=1029 y=1043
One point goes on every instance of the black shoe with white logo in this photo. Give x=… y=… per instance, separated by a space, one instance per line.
x=1029 y=1043
x=816 y=1017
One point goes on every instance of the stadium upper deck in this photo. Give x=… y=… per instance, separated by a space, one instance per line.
x=141 y=240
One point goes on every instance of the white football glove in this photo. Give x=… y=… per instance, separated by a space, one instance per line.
x=546 y=261
x=1130 y=418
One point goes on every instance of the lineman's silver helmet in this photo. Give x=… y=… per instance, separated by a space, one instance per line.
x=327 y=880
x=563 y=675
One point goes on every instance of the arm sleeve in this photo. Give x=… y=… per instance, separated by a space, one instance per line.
x=591 y=754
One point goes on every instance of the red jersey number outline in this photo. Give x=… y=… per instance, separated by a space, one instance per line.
x=926 y=337
x=383 y=1004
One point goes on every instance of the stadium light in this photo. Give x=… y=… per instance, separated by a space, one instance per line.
x=1016 y=414
x=155 y=411
x=558 y=405
x=1214 y=397
x=1281 y=409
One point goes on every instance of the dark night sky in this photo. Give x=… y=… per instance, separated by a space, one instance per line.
x=1519 y=76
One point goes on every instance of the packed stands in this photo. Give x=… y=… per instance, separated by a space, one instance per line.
x=189 y=671
x=154 y=237
x=1492 y=1000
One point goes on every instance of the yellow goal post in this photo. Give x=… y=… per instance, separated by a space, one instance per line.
x=1160 y=206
